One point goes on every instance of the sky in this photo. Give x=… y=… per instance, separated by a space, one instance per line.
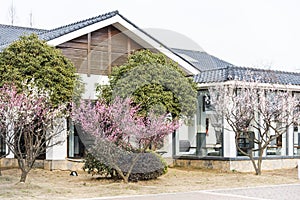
x=248 y=33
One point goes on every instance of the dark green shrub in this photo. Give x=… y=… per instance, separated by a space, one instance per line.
x=94 y=166
x=148 y=166
x=106 y=158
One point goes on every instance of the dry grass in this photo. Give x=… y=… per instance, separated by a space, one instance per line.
x=42 y=184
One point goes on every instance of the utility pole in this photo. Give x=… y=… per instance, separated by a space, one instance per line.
x=30 y=19
x=12 y=13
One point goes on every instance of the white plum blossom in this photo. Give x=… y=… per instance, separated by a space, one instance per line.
x=249 y=105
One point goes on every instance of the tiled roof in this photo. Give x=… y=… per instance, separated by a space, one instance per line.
x=8 y=34
x=201 y=60
x=57 y=32
x=242 y=73
x=212 y=68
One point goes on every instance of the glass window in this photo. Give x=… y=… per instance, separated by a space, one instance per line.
x=204 y=136
x=213 y=134
x=296 y=141
x=2 y=146
x=210 y=135
x=76 y=148
x=278 y=145
x=245 y=143
x=296 y=131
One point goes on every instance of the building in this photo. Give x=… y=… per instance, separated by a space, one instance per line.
x=98 y=44
x=215 y=144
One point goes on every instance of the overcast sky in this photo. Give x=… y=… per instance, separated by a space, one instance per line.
x=252 y=33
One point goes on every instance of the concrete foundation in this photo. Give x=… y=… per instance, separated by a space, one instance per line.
x=267 y=164
x=237 y=165
x=72 y=165
x=222 y=165
x=203 y=164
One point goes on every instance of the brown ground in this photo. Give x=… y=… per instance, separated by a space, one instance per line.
x=42 y=184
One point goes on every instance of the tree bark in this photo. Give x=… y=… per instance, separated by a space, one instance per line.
x=259 y=162
x=0 y=168
x=25 y=167
x=23 y=176
x=257 y=166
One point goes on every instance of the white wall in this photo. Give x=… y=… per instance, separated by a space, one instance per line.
x=59 y=152
x=229 y=141
x=290 y=141
x=185 y=132
x=188 y=132
x=167 y=146
x=91 y=83
x=10 y=155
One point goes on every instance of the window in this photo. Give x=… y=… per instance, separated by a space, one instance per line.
x=76 y=148
x=206 y=103
x=296 y=141
x=2 y=146
x=245 y=142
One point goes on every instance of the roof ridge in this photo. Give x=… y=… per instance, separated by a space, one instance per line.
x=238 y=73
x=264 y=70
x=189 y=50
x=111 y=14
x=216 y=69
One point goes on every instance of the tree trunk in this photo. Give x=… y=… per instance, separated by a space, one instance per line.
x=23 y=176
x=257 y=170
x=259 y=162
x=0 y=167
x=253 y=163
x=25 y=167
x=258 y=167
x=119 y=171
x=126 y=179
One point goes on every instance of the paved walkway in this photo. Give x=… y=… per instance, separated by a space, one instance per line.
x=276 y=192
x=280 y=192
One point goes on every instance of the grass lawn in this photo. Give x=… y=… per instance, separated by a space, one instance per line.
x=42 y=184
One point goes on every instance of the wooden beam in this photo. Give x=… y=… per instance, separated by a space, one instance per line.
x=89 y=54
x=109 y=49
x=128 y=46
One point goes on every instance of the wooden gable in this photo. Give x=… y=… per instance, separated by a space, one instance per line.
x=97 y=52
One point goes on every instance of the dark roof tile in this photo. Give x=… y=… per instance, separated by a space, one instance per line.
x=8 y=34
x=57 y=32
x=244 y=73
x=212 y=68
x=201 y=60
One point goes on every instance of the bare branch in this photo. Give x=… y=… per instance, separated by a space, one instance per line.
x=246 y=106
